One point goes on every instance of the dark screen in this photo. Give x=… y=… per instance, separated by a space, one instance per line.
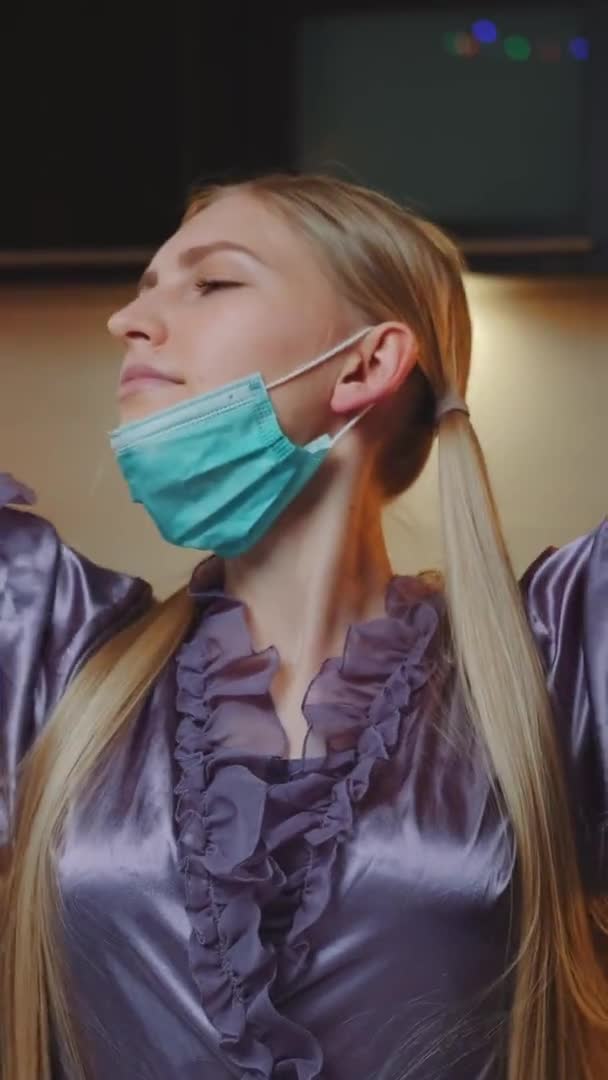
x=473 y=120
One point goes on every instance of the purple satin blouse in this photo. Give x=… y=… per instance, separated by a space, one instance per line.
x=229 y=913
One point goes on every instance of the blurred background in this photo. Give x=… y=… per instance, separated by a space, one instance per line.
x=488 y=118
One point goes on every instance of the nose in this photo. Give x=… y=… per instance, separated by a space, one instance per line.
x=137 y=320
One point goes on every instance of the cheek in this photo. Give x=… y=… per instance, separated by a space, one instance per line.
x=217 y=347
x=235 y=334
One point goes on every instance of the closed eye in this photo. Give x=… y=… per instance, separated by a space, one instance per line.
x=211 y=285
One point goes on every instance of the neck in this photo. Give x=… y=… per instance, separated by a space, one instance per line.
x=322 y=567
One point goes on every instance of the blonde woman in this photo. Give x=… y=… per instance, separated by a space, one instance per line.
x=305 y=819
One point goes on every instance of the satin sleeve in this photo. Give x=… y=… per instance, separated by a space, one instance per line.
x=566 y=593
x=56 y=607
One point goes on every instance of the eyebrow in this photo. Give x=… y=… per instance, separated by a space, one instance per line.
x=191 y=256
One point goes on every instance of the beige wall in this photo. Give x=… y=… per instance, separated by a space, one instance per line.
x=539 y=397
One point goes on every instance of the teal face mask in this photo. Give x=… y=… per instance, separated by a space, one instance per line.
x=216 y=471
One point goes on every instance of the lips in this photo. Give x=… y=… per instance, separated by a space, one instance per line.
x=137 y=372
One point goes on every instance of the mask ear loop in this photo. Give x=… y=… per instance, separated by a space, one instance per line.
x=351 y=423
x=319 y=360
x=316 y=363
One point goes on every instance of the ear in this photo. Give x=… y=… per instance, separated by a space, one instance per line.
x=375 y=368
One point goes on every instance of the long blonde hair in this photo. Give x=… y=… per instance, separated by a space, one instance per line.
x=390 y=265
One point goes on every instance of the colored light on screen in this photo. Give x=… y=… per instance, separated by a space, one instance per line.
x=550 y=52
x=517 y=47
x=579 y=48
x=485 y=31
x=449 y=43
x=461 y=44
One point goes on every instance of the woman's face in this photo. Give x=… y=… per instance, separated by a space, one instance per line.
x=235 y=291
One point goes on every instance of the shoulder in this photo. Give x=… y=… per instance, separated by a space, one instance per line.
x=566 y=597
x=56 y=608
x=55 y=604
x=565 y=591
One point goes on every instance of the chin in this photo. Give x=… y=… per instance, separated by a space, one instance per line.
x=136 y=401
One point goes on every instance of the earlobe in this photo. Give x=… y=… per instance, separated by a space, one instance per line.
x=348 y=396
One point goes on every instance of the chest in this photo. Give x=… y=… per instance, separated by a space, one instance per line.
x=425 y=851
x=400 y=919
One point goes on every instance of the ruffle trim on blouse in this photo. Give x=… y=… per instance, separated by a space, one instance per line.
x=250 y=848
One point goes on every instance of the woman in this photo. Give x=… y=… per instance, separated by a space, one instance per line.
x=236 y=860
